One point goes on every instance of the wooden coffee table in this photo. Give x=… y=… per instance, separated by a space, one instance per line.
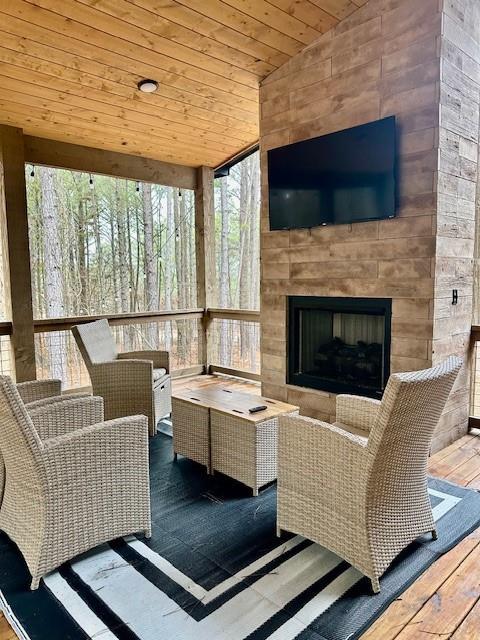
x=213 y=426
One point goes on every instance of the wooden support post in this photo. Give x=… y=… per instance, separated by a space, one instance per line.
x=13 y=209
x=205 y=253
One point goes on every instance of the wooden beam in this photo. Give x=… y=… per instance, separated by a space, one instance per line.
x=13 y=205
x=205 y=252
x=110 y=163
x=473 y=422
x=186 y=372
x=5 y=328
x=139 y=317
x=243 y=315
x=236 y=373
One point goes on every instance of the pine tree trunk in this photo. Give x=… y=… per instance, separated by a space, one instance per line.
x=168 y=278
x=151 y=275
x=244 y=283
x=185 y=273
x=82 y=265
x=123 y=292
x=98 y=245
x=254 y=302
x=223 y=297
x=181 y=338
x=52 y=261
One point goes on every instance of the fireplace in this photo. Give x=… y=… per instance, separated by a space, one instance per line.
x=340 y=345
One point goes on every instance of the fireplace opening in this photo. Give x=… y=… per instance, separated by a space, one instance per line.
x=341 y=345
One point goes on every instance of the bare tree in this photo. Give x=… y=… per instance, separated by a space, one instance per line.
x=168 y=278
x=224 y=279
x=151 y=275
x=52 y=261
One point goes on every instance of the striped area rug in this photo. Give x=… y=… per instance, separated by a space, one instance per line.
x=214 y=570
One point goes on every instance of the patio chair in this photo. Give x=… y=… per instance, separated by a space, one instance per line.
x=134 y=382
x=359 y=486
x=72 y=481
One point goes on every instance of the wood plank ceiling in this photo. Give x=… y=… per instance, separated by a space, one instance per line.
x=69 y=70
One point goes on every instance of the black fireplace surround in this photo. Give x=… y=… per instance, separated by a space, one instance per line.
x=340 y=345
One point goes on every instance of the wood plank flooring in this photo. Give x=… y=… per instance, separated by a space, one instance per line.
x=444 y=603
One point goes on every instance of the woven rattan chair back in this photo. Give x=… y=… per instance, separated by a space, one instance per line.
x=411 y=408
x=95 y=341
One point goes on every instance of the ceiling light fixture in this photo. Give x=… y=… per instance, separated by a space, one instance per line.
x=147 y=86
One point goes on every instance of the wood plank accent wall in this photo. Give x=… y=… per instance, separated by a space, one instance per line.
x=457 y=192
x=382 y=60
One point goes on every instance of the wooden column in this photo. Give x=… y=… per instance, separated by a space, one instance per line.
x=13 y=208
x=205 y=253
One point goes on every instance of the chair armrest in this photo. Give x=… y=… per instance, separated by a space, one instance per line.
x=357 y=411
x=319 y=458
x=111 y=366
x=129 y=371
x=160 y=359
x=114 y=450
x=39 y=389
x=59 y=418
x=45 y=402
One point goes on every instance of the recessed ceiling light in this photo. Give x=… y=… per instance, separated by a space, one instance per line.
x=147 y=86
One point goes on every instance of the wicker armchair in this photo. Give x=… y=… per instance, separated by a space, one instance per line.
x=135 y=382
x=72 y=481
x=359 y=487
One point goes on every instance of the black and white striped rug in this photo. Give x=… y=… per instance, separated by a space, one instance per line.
x=214 y=570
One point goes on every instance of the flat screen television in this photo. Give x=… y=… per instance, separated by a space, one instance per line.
x=343 y=177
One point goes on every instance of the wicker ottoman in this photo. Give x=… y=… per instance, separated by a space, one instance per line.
x=244 y=447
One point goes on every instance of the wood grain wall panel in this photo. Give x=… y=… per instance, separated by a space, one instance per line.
x=382 y=60
x=459 y=98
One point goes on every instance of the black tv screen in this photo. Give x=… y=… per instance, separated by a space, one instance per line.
x=342 y=177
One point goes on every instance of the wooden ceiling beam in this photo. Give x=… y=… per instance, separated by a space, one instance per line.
x=110 y=163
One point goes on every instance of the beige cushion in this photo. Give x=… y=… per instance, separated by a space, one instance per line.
x=158 y=374
x=97 y=341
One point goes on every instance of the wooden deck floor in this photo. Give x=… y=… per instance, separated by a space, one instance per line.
x=444 y=603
